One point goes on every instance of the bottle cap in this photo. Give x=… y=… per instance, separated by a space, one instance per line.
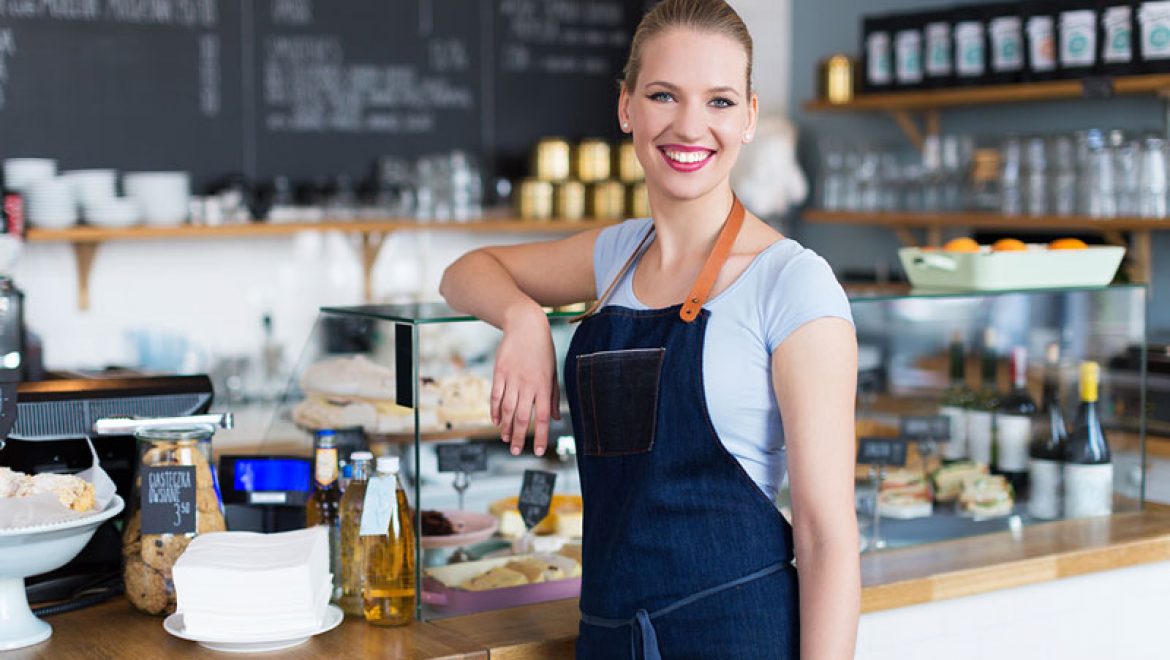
x=388 y=464
x=361 y=456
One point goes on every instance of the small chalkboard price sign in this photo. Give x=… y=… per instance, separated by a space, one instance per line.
x=536 y=496
x=462 y=457
x=926 y=427
x=885 y=452
x=168 y=499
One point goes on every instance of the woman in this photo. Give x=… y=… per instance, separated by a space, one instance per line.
x=719 y=353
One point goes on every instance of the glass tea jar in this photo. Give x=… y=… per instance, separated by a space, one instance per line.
x=175 y=499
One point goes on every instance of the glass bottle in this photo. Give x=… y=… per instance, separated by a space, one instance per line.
x=389 y=596
x=1013 y=425
x=353 y=565
x=1064 y=176
x=1088 y=465
x=1046 y=453
x=1011 y=163
x=1035 y=194
x=955 y=403
x=981 y=416
x=1152 y=178
x=323 y=506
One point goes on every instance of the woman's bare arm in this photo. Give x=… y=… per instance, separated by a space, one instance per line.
x=814 y=372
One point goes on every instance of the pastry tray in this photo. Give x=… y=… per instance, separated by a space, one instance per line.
x=1034 y=268
x=437 y=593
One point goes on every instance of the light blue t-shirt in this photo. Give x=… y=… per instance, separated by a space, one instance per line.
x=784 y=287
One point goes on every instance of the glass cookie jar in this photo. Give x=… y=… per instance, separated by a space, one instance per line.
x=175 y=499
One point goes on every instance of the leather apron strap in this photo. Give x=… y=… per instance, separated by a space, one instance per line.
x=707 y=276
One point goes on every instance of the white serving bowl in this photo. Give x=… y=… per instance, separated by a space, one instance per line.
x=163 y=197
x=113 y=213
x=29 y=551
x=91 y=186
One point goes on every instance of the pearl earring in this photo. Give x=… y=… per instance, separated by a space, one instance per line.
x=747 y=137
x=625 y=126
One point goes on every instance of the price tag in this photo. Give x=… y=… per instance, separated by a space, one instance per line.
x=462 y=457
x=378 y=507
x=1097 y=87
x=167 y=499
x=536 y=496
x=890 y=452
x=927 y=427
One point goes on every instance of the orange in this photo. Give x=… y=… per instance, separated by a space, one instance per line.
x=1009 y=245
x=963 y=244
x=1067 y=244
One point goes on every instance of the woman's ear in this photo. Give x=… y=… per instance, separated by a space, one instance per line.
x=749 y=131
x=623 y=109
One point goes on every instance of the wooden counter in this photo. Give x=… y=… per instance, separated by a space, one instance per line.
x=891 y=579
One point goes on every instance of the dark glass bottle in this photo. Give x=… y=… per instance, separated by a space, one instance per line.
x=981 y=416
x=323 y=506
x=956 y=402
x=1046 y=453
x=1013 y=425
x=1088 y=464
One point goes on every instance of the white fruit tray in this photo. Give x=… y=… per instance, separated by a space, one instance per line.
x=1034 y=268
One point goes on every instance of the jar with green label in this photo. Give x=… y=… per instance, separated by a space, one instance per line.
x=908 y=46
x=1153 y=28
x=938 y=50
x=877 y=45
x=970 y=36
x=1076 y=42
x=1115 y=38
x=1005 y=40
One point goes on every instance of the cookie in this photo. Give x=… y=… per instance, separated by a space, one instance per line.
x=161 y=551
x=133 y=528
x=145 y=587
x=209 y=521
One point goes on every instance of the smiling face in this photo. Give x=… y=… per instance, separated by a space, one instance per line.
x=689 y=111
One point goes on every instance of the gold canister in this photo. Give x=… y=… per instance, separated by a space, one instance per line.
x=837 y=79
x=606 y=200
x=626 y=163
x=552 y=159
x=536 y=199
x=569 y=200
x=591 y=162
x=637 y=200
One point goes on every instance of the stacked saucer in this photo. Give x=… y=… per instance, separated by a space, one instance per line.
x=19 y=173
x=163 y=197
x=50 y=203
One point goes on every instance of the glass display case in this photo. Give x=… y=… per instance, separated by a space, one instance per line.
x=415 y=381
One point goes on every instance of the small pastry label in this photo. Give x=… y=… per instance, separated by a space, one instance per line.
x=167 y=499
x=536 y=496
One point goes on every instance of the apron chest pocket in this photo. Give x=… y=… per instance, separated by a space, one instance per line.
x=618 y=393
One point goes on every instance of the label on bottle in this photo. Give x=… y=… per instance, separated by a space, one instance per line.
x=908 y=60
x=938 y=49
x=1042 y=43
x=956 y=447
x=1044 y=478
x=970 y=58
x=980 y=432
x=878 y=69
x=1088 y=490
x=1078 y=38
x=1118 y=30
x=1155 y=30
x=326 y=472
x=167 y=499
x=1007 y=44
x=1013 y=433
x=378 y=507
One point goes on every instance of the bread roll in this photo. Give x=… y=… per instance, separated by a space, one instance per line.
x=496 y=578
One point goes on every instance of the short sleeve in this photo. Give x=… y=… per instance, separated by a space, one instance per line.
x=805 y=290
x=613 y=247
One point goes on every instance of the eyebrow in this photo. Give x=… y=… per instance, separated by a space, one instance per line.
x=713 y=90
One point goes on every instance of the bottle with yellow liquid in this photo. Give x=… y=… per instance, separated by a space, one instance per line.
x=353 y=564
x=387 y=531
x=323 y=505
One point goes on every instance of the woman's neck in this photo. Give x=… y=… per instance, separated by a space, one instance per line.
x=688 y=228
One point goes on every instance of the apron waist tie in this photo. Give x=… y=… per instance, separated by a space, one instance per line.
x=642 y=628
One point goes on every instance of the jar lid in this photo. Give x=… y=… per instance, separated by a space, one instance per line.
x=189 y=432
x=388 y=464
x=361 y=456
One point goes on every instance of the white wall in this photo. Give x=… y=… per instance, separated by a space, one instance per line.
x=214 y=292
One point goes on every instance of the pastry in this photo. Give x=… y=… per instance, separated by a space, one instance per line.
x=71 y=491
x=465 y=400
x=434 y=523
x=161 y=551
x=536 y=570
x=352 y=376
x=145 y=587
x=986 y=497
x=10 y=482
x=948 y=479
x=209 y=521
x=496 y=578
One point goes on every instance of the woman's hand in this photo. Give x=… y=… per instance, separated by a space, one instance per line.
x=524 y=384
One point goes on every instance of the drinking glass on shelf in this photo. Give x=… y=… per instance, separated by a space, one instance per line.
x=832 y=177
x=1035 y=174
x=1152 y=178
x=931 y=181
x=890 y=188
x=1098 y=186
x=1126 y=162
x=869 y=181
x=1064 y=176
x=1010 y=164
x=852 y=196
x=956 y=160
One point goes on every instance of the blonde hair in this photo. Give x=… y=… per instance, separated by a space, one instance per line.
x=714 y=16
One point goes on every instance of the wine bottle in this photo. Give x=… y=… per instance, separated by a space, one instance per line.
x=1046 y=452
x=955 y=403
x=323 y=506
x=1088 y=466
x=1013 y=425
x=981 y=416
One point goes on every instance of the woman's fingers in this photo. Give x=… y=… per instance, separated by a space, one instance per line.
x=507 y=410
x=498 y=381
x=540 y=433
x=520 y=420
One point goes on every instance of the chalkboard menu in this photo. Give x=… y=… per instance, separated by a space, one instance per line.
x=304 y=88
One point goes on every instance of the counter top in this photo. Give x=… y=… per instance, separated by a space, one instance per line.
x=891 y=579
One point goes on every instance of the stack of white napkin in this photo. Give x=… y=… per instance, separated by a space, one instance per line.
x=243 y=584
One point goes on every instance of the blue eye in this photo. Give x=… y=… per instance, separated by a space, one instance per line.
x=661 y=97
x=720 y=102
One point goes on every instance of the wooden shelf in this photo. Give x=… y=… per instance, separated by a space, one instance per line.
x=935 y=99
x=371 y=233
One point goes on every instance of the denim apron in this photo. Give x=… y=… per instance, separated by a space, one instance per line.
x=684 y=556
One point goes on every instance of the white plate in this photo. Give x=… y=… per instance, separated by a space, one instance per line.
x=173 y=624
